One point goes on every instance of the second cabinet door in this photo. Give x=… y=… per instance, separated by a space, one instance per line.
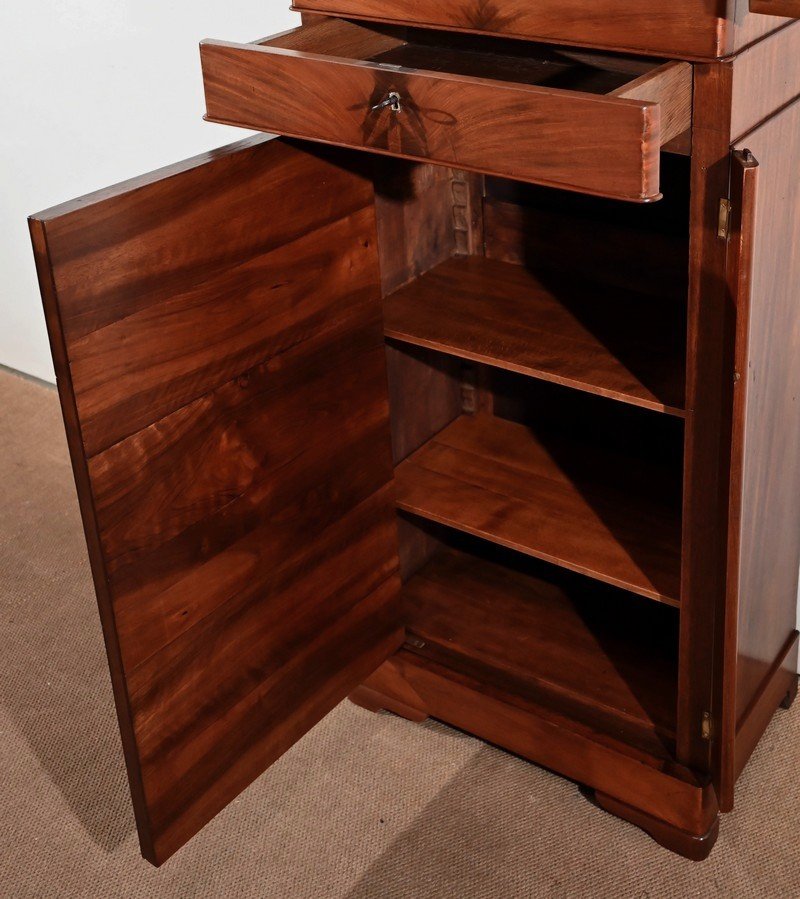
x=760 y=641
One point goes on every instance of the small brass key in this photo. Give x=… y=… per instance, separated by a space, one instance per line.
x=393 y=102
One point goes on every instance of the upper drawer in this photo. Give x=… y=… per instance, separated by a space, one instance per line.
x=586 y=122
x=694 y=29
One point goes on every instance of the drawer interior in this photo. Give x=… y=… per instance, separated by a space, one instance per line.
x=477 y=56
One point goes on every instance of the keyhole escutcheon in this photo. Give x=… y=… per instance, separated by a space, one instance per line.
x=393 y=101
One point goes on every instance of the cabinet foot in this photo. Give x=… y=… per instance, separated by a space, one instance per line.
x=387 y=690
x=788 y=700
x=373 y=701
x=696 y=847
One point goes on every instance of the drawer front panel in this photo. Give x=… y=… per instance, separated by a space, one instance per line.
x=593 y=144
x=690 y=28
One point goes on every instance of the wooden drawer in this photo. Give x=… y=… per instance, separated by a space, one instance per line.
x=593 y=123
x=687 y=29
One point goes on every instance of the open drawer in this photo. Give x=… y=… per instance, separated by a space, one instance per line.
x=588 y=122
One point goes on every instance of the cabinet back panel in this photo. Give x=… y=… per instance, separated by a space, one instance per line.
x=639 y=247
x=597 y=421
x=586 y=649
x=424 y=395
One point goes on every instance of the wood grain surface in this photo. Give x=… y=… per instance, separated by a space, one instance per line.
x=416 y=228
x=672 y=83
x=745 y=27
x=695 y=847
x=715 y=426
x=636 y=247
x=222 y=372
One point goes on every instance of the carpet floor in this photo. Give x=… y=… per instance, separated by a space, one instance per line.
x=364 y=806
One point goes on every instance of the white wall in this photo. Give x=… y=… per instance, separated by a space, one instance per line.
x=93 y=92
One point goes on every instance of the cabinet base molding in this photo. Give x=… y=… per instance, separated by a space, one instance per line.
x=695 y=847
x=388 y=691
x=671 y=805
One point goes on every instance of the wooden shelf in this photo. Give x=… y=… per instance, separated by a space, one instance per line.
x=600 y=513
x=579 y=333
x=589 y=651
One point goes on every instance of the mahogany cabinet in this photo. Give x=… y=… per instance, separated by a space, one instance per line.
x=475 y=395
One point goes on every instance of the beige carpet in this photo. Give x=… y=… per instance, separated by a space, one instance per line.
x=365 y=806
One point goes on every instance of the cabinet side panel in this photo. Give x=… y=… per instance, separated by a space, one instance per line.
x=770 y=537
x=415 y=204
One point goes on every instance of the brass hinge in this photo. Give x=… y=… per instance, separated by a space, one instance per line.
x=724 y=225
x=707 y=727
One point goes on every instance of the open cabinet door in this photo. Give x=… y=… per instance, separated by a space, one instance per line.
x=759 y=643
x=216 y=329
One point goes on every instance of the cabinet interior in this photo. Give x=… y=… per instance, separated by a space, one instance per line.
x=536 y=354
